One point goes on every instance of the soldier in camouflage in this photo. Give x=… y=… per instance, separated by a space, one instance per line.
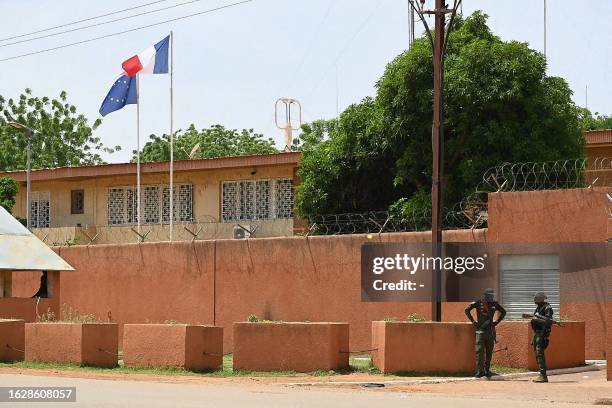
x=541 y=324
x=486 y=308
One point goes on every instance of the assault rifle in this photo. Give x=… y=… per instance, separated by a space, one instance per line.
x=543 y=318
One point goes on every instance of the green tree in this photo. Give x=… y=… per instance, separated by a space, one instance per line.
x=63 y=136
x=216 y=141
x=500 y=107
x=596 y=121
x=8 y=192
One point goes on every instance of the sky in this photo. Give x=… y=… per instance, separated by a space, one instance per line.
x=233 y=64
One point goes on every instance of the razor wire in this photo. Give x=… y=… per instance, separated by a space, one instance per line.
x=551 y=175
x=472 y=211
x=204 y=228
x=469 y=213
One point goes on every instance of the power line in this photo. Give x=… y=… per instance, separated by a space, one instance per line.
x=315 y=34
x=346 y=46
x=126 y=31
x=81 y=21
x=100 y=24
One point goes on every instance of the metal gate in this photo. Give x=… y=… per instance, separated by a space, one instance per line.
x=522 y=276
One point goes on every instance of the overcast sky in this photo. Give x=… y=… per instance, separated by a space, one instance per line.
x=231 y=65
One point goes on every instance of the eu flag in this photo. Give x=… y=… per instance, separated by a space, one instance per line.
x=123 y=92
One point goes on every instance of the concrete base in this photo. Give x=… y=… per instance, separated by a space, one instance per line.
x=426 y=347
x=92 y=344
x=566 y=348
x=12 y=340
x=301 y=347
x=173 y=345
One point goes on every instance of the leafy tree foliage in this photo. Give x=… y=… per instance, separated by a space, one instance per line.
x=8 y=191
x=216 y=141
x=500 y=107
x=62 y=137
x=596 y=121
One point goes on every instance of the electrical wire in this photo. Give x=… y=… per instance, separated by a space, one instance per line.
x=346 y=47
x=100 y=24
x=81 y=21
x=125 y=31
x=315 y=34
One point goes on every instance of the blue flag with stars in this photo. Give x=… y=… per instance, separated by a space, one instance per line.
x=123 y=92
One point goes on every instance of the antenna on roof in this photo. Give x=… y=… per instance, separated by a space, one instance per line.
x=290 y=125
x=194 y=151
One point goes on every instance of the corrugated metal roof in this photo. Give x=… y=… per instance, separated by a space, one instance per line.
x=20 y=250
x=598 y=136
x=118 y=169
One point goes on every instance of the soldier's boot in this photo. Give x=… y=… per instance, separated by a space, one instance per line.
x=542 y=378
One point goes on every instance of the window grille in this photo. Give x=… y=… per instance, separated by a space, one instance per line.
x=257 y=200
x=40 y=209
x=155 y=204
x=284 y=198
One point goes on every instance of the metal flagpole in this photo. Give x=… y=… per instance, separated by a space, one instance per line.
x=138 y=152
x=171 y=134
x=545 y=29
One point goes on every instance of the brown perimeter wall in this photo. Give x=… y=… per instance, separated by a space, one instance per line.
x=302 y=278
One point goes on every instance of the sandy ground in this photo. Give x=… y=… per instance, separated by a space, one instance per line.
x=195 y=379
x=582 y=389
x=567 y=391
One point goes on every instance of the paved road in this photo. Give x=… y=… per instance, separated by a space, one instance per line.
x=136 y=394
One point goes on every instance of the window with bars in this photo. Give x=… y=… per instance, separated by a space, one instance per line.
x=257 y=200
x=40 y=209
x=155 y=204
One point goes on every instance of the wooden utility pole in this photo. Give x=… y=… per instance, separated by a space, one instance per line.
x=438 y=40
x=437 y=141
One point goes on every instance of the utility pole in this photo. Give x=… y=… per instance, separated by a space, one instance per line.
x=439 y=44
x=29 y=133
x=437 y=138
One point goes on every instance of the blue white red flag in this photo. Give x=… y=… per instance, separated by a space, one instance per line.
x=153 y=60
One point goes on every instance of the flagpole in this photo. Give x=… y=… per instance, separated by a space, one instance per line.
x=171 y=134
x=138 y=152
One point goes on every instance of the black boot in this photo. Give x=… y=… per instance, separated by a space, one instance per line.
x=542 y=378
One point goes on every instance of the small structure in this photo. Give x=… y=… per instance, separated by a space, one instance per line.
x=21 y=251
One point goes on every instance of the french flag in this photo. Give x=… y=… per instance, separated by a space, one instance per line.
x=153 y=60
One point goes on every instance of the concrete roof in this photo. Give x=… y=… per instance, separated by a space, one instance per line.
x=20 y=250
x=118 y=169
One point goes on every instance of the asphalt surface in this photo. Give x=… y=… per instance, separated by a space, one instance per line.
x=128 y=393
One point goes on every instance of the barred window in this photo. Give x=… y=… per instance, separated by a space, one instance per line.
x=155 y=204
x=40 y=209
x=257 y=200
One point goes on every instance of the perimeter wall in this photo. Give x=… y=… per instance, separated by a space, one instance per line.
x=305 y=278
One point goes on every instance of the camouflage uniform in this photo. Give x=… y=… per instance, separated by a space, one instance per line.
x=541 y=333
x=485 y=330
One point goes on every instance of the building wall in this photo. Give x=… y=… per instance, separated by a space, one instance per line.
x=206 y=192
x=576 y=215
x=594 y=152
